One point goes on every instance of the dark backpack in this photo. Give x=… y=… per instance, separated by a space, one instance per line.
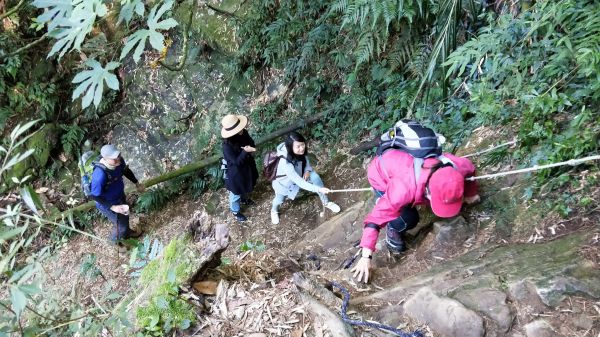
x=270 y=163
x=413 y=138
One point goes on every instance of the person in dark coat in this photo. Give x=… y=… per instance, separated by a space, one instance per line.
x=241 y=174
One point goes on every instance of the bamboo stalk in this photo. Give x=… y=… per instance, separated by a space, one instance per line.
x=202 y=163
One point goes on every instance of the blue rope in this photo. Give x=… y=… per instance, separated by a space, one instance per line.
x=417 y=333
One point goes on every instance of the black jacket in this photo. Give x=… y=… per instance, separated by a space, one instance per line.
x=241 y=175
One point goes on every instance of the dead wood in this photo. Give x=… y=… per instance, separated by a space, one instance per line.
x=317 y=290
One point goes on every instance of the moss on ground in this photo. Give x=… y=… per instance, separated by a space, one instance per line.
x=165 y=310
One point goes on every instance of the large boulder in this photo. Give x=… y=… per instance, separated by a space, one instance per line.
x=446 y=316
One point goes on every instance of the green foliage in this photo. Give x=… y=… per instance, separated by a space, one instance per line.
x=70 y=23
x=156 y=38
x=153 y=199
x=165 y=310
x=128 y=8
x=71 y=139
x=253 y=245
x=89 y=268
x=92 y=82
x=143 y=254
x=360 y=61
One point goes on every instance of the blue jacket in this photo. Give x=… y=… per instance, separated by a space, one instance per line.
x=108 y=188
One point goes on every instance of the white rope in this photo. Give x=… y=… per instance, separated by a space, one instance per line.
x=571 y=162
x=352 y=190
x=490 y=149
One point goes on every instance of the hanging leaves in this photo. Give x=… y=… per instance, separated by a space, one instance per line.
x=55 y=11
x=128 y=8
x=92 y=82
x=69 y=22
x=156 y=39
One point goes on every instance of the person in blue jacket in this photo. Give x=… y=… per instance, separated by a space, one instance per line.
x=108 y=190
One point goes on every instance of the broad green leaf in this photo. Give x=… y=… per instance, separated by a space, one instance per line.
x=128 y=8
x=30 y=289
x=92 y=82
x=19 y=129
x=5 y=235
x=171 y=277
x=18 y=158
x=18 y=299
x=140 y=37
x=31 y=198
x=185 y=324
x=71 y=31
x=162 y=303
x=55 y=11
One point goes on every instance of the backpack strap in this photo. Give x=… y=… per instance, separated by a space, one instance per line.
x=109 y=177
x=423 y=172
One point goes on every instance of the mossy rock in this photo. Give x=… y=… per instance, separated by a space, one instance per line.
x=163 y=309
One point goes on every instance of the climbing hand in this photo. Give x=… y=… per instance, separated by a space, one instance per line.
x=472 y=200
x=140 y=187
x=248 y=148
x=362 y=269
x=121 y=209
x=324 y=190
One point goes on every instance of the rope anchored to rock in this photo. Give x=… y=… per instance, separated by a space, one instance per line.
x=379 y=326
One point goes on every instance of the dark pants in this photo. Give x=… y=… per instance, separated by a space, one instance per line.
x=121 y=222
x=408 y=219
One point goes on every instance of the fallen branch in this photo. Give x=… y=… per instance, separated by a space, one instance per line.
x=12 y=10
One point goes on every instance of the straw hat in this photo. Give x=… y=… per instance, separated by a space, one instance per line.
x=232 y=125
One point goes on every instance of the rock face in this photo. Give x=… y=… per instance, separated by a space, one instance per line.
x=446 y=316
x=448 y=237
x=173 y=117
x=532 y=276
x=540 y=328
x=490 y=303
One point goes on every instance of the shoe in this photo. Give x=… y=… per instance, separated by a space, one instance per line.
x=247 y=202
x=394 y=242
x=134 y=234
x=121 y=248
x=239 y=216
x=274 y=218
x=333 y=207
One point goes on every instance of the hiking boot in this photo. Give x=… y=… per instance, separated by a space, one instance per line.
x=274 y=218
x=239 y=216
x=248 y=202
x=333 y=207
x=121 y=248
x=134 y=234
x=394 y=242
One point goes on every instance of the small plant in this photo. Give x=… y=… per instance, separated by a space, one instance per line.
x=144 y=253
x=166 y=310
x=71 y=138
x=89 y=268
x=253 y=245
x=153 y=199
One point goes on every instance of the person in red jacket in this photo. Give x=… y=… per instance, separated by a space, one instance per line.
x=440 y=183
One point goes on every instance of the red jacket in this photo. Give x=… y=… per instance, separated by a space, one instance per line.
x=393 y=173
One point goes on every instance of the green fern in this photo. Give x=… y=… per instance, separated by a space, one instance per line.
x=72 y=138
x=152 y=199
